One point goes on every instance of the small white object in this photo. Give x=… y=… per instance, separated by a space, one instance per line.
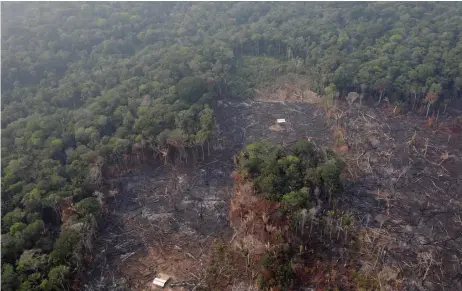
x=160 y=282
x=282 y=120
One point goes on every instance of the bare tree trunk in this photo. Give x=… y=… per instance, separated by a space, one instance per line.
x=166 y=156
x=428 y=108
x=380 y=98
x=118 y=169
x=119 y=161
x=194 y=154
x=202 y=147
x=126 y=163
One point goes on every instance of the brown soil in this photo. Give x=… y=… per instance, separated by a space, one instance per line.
x=291 y=88
x=257 y=223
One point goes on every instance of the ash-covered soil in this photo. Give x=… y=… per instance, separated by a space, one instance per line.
x=402 y=182
x=405 y=185
x=166 y=217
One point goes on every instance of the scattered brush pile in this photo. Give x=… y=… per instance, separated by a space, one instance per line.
x=286 y=230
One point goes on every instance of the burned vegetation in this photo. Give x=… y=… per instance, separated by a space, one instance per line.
x=403 y=184
x=261 y=208
x=167 y=217
x=120 y=123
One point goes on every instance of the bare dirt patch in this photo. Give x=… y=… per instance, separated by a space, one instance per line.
x=290 y=88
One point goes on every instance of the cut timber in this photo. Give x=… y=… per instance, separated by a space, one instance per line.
x=161 y=280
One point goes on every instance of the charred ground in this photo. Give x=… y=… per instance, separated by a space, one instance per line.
x=405 y=178
x=402 y=184
x=166 y=217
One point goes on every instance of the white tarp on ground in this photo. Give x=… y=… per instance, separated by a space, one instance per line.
x=161 y=280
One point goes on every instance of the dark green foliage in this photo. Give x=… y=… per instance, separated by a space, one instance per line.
x=258 y=158
x=306 y=151
x=32 y=261
x=64 y=246
x=9 y=277
x=11 y=247
x=252 y=72
x=288 y=174
x=296 y=199
x=329 y=174
x=87 y=81
x=16 y=229
x=278 y=269
x=297 y=177
x=291 y=168
x=33 y=232
x=31 y=282
x=58 y=277
x=190 y=89
x=45 y=243
x=12 y=217
x=89 y=206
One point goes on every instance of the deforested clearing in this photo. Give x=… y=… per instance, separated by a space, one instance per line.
x=231 y=146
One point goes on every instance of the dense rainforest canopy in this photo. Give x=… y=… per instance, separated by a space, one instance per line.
x=86 y=83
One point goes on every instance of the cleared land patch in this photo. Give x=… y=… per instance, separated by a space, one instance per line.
x=402 y=185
